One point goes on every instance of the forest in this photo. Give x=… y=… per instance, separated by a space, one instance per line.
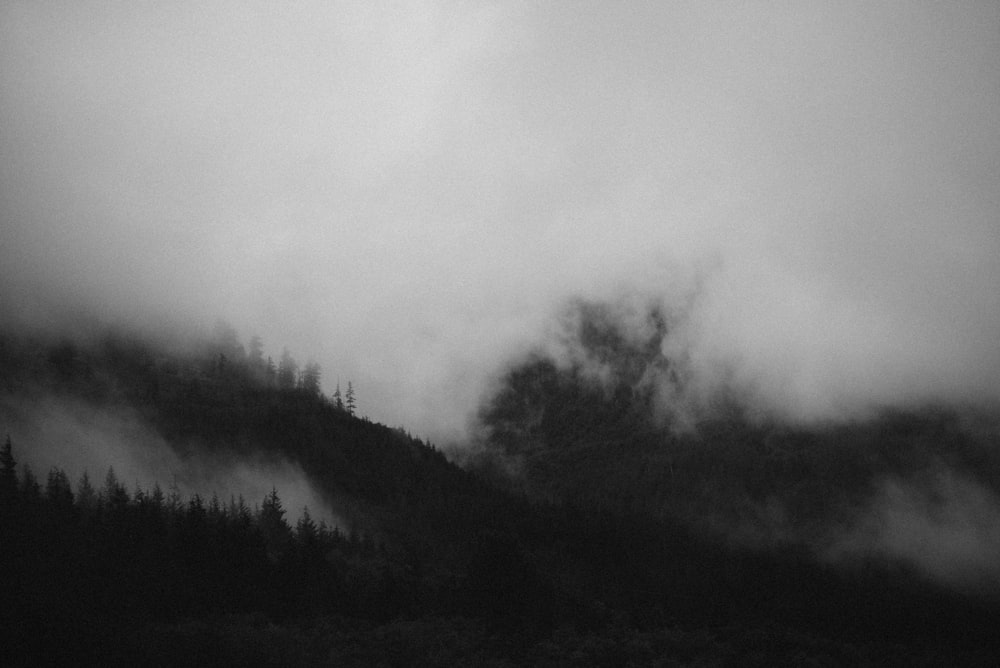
x=582 y=528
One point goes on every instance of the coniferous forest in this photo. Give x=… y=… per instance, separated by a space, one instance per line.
x=491 y=333
x=582 y=528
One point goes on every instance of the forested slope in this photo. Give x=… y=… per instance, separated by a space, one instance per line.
x=581 y=558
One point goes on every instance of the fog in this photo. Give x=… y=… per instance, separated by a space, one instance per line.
x=78 y=437
x=945 y=527
x=409 y=193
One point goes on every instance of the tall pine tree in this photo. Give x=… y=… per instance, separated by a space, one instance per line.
x=288 y=371
x=310 y=378
x=349 y=398
x=8 y=472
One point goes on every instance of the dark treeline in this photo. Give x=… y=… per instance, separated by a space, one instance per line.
x=105 y=552
x=118 y=363
x=148 y=576
x=436 y=566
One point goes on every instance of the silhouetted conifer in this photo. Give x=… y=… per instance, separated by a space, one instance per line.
x=305 y=530
x=237 y=512
x=86 y=495
x=174 y=501
x=287 y=371
x=256 y=357
x=31 y=491
x=8 y=472
x=273 y=527
x=310 y=378
x=115 y=495
x=196 y=508
x=156 y=496
x=349 y=402
x=58 y=490
x=270 y=373
x=215 y=514
x=226 y=343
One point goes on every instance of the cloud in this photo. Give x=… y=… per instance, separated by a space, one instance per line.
x=410 y=193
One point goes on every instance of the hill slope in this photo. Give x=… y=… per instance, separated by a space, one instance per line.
x=430 y=562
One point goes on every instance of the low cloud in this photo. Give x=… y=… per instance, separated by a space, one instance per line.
x=946 y=527
x=79 y=437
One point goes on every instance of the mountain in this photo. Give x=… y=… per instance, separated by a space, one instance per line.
x=607 y=420
x=588 y=529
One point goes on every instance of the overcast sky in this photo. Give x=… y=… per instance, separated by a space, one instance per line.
x=407 y=192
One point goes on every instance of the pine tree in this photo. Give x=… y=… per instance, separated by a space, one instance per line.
x=338 y=400
x=114 y=492
x=31 y=491
x=239 y=512
x=273 y=528
x=271 y=508
x=8 y=472
x=86 y=496
x=287 y=371
x=306 y=530
x=270 y=373
x=349 y=398
x=174 y=501
x=215 y=513
x=57 y=489
x=157 y=497
x=256 y=357
x=232 y=510
x=310 y=379
x=226 y=342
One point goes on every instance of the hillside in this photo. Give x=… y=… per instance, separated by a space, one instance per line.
x=590 y=553
x=607 y=421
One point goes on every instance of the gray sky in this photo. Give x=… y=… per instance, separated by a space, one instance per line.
x=407 y=192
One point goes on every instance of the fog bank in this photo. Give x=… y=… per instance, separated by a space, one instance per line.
x=410 y=193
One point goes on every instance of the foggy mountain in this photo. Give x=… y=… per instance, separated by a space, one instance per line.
x=697 y=303
x=586 y=513
x=412 y=193
x=606 y=419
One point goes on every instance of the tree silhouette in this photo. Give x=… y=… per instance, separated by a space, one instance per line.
x=8 y=472
x=310 y=379
x=114 y=493
x=226 y=342
x=270 y=373
x=287 y=371
x=349 y=398
x=256 y=357
x=31 y=491
x=58 y=490
x=305 y=530
x=86 y=495
x=273 y=527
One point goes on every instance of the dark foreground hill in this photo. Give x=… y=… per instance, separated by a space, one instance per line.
x=429 y=563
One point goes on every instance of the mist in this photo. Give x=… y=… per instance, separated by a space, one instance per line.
x=78 y=437
x=411 y=193
x=944 y=526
